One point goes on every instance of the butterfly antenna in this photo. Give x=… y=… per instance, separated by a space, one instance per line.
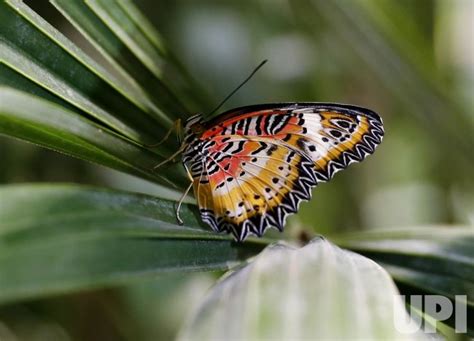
x=237 y=88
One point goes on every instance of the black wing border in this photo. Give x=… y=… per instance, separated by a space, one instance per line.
x=340 y=107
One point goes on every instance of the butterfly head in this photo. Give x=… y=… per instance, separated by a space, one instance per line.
x=193 y=127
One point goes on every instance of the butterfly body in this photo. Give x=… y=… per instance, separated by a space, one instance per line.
x=253 y=166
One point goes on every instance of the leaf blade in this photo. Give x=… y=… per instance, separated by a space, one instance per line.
x=75 y=238
x=423 y=260
x=35 y=49
x=49 y=125
x=438 y=250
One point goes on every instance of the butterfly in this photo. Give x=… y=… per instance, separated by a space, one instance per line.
x=251 y=167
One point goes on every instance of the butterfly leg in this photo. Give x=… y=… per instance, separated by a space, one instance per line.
x=178 y=208
x=175 y=127
x=179 y=151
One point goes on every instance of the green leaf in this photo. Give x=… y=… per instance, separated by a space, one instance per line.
x=114 y=16
x=425 y=251
x=33 y=48
x=315 y=292
x=138 y=55
x=424 y=260
x=49 y=125
x=74 y=238
x=188 y=87
x=12 y=79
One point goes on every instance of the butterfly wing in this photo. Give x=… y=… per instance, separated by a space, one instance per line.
x=259 y=162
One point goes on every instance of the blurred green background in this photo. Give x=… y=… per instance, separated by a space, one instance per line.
x=410 y=61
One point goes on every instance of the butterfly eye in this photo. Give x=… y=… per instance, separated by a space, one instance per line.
x=197 y=128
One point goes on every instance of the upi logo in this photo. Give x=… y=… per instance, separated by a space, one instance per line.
x=437 y=307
